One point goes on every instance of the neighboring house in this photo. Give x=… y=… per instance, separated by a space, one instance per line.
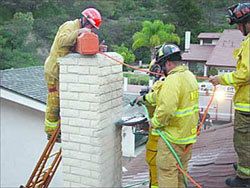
x=23 y=96
x=214 y=51
x=23 y=101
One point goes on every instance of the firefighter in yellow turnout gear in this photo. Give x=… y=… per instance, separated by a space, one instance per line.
x=62 y=45
x=175 y=114
x=240 y=79
x=151 y=146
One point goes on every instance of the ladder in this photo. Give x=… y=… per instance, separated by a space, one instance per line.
x=46 y=165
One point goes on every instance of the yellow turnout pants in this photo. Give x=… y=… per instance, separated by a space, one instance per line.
x=53 y=107
x=168 y=174
x=151 y=151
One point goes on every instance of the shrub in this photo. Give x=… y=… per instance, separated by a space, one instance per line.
x=136 y=79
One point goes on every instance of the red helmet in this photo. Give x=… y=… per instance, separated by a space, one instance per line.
x=93 y=16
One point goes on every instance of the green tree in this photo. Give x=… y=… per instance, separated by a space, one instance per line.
x=17 y=30
x=16 y=46
x=153 y=34
x=127 y=54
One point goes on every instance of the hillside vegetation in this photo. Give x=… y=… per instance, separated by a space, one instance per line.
x=27 y=27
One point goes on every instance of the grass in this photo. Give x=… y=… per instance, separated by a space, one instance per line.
x=136 y=79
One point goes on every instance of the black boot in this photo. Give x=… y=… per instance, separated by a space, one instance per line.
x=238 y=182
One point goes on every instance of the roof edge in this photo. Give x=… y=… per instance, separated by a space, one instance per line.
x=21 y=99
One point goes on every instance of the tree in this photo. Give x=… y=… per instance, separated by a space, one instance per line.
x=153 y=34
x=127 y=54
x=16 y=49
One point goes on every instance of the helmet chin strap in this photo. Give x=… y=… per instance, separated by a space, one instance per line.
x=84 y=22
x=244 y=29
x=164 y=70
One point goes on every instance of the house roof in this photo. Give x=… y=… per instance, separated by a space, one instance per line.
x=209 y=35
x=211 y=162
x=28 y=82
x=198 y=52
x=222 y=54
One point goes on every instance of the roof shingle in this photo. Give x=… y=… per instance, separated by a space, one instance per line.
x=198 y=52
x=222 y=54
x=211 y=162
x=25 y=81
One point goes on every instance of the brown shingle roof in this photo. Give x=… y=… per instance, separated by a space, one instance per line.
x=211 y=163
x=213 y=156
x=209 y=35
x=198 y=52
x=222 y=54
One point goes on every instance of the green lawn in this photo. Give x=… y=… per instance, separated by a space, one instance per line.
x=136 y=79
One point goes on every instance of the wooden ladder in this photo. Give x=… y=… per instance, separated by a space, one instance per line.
x=46 y=166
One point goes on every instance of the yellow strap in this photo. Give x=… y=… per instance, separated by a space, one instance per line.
x=149 y=98
x=155 y=122
x=229 y=78
x=186 y=111
x=50 y=124
x=245 y=107
x=188 y=140
x=154 y=186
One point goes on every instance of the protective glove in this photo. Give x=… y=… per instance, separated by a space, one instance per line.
x=84 y=30
x=139 y=101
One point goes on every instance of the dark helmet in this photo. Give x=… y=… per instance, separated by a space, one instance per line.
x=239 y=13
x=168 y=52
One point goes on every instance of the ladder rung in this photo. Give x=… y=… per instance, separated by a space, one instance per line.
x=53 y=154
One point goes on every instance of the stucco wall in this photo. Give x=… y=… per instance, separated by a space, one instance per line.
x=22 y=142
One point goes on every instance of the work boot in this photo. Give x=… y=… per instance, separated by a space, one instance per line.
x=58 y=139
x=237 y=182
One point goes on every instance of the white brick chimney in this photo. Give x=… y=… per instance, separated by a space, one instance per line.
x=91 y=101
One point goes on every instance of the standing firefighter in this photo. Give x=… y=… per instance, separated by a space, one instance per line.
x=176 y=114
x=240 y=79
x=63 y=43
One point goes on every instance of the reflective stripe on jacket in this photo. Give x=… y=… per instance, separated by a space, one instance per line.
x=177 y=106
x=63 y=42
x=240 y=78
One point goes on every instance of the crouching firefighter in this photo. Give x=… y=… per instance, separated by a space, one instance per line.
x=175 y=115
x=64 y=41
x=151 y=145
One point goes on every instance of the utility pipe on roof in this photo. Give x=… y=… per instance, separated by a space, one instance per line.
x=187 y=40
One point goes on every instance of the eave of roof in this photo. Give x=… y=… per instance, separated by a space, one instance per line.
x=209 y=36
x=22 y=99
